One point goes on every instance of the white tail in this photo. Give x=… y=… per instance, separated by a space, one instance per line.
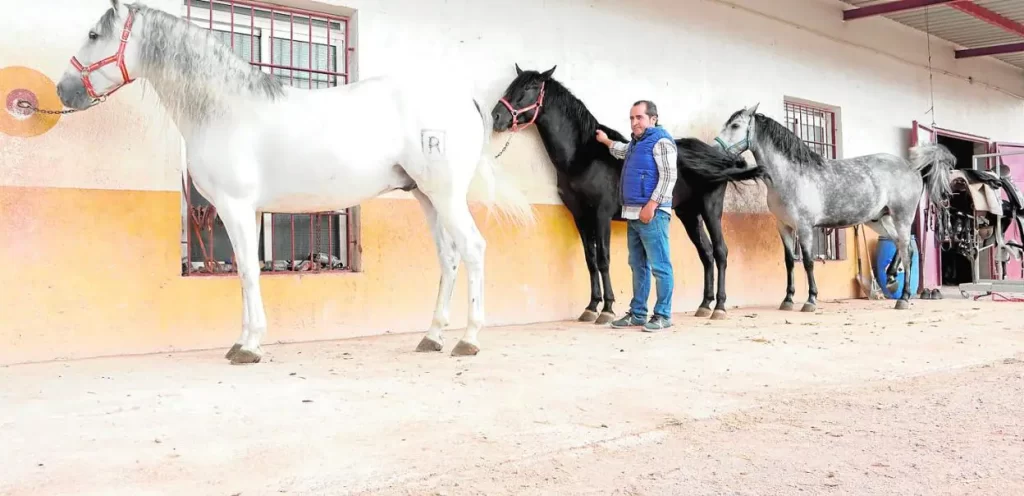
x=496 y=189
x=934 y=161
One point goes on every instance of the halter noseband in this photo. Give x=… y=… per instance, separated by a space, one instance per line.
x=744 y=142
x=515 y=112
x=117 y=58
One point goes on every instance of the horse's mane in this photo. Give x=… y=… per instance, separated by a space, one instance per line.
x=785 y=141
x=586 y=124
x=193 y=68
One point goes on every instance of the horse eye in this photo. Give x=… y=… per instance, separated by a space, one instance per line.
x=93 y=35
x=735 y=125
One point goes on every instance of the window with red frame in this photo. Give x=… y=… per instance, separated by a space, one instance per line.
x=303 y=49
x=816 y=124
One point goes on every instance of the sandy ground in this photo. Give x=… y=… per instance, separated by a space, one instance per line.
x=857 y=399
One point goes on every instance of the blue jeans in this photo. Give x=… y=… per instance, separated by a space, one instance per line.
x=649 y=252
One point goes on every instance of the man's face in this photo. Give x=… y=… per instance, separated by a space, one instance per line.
x=639 y=121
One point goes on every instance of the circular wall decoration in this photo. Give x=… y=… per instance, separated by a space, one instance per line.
x=22 y=84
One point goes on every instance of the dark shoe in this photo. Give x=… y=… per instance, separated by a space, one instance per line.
x=936 y=294
x=657 y=323
x=628 y=320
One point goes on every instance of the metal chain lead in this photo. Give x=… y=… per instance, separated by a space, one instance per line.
x=28 y=106
x=506 y=145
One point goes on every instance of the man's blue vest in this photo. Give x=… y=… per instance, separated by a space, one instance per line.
x=640 y=171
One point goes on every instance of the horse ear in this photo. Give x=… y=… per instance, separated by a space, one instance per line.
x=116 y=4
x=547 y=74
x=518 y=70
x=753 y=110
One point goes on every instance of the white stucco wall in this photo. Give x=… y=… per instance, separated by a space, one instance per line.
x=700 y=60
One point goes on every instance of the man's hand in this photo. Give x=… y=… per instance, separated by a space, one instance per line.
x=647 y=213
x=603 y=138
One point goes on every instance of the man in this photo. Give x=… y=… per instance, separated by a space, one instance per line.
x=648 y=177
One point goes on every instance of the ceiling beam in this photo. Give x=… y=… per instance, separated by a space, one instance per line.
x=989 y=16
x=892 y=7
x=990 y=50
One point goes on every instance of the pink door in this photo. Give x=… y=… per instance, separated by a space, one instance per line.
x=925 y=223
x=1016 y=165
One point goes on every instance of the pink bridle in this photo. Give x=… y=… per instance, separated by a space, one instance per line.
x=117 y=58
x=515 y=113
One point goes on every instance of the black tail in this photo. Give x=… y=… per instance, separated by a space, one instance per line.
x=697 y=158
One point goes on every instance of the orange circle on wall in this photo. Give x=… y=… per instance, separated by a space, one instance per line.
x=22 y=84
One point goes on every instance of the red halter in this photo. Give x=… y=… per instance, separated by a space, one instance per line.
x=515 y=113
x=117 y=58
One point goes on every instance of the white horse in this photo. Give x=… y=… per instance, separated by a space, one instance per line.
x=360 y=140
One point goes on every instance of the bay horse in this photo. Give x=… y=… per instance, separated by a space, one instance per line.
x=805 y=191
x=588 y=183
x=361 y=140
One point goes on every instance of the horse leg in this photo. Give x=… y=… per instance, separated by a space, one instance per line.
x=590 y=254
x=448 y=257
x=603 y=230
x=453 y=214
x=245 y=308
x=713 y=219
x=806 y=236
x=244 y=237
x=584 y=225
x=789 y=247
x=691 y=222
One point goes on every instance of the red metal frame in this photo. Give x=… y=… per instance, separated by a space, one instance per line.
x=989 y=50
x=992 y=162
x=994 y=19
x=966 y=6
x=975 y=10
x=891 y=8
x=203 y=218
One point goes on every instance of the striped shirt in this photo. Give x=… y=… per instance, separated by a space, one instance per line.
x=665 y=157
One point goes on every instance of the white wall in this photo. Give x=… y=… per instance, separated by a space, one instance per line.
x=700 y=60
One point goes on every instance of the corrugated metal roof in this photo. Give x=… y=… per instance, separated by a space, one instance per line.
x=960 y=28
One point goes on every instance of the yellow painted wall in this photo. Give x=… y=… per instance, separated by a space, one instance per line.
x=95 y=272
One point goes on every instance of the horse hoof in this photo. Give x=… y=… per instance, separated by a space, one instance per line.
x=465 y=349
x=588 y=316
x=719 y=314
x=605 y=318
x=245 y=356
x=703 y=312
x=809 y=308
x=429 y=345
x=902 y=304
x=786 y=306
x=233 y=351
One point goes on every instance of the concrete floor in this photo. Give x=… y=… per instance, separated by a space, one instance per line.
x=856 y=399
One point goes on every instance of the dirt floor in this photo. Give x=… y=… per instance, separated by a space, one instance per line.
x=856 y=399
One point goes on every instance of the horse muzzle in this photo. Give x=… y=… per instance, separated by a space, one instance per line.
x=73 y=94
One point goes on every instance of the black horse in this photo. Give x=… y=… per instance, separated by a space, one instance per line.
x=588 y=182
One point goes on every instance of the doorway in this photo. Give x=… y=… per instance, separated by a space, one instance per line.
x=939 y=268
x=956 y=268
